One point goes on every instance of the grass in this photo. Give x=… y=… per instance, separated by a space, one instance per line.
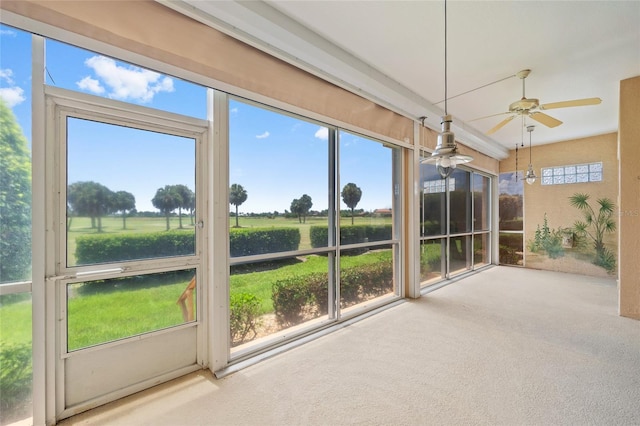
x=109 y=310
x=113 y=225
x=259 y=283
x=15 y=320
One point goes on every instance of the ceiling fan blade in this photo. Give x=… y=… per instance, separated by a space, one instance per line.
x=489 y=116
x=574 y=103
x=545 y=119
x=500 y=125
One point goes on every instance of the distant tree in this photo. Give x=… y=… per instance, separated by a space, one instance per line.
x=296 y=209
x=351 y=195
x=237 y=196
x=15 y=199
x=186 y=200
x=166 y=200
x=91 y=199
x=300 y=207
x=124 y=202
x=305 y=206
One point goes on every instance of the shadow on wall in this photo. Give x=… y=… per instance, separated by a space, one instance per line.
x=578 y=248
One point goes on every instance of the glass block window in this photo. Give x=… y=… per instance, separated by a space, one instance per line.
x=576 y=173
x=437 y=186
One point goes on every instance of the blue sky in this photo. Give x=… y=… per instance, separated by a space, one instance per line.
x=276 y=158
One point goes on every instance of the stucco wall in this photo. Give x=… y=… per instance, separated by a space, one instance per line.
x=554 y=199
x=629 y=151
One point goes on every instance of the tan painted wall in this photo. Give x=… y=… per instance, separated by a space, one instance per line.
x=629 y=221
x=554 y=199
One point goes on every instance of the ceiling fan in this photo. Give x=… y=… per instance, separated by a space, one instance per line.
x=531 y=107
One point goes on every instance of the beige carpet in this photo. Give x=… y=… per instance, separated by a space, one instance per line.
x=506 y=346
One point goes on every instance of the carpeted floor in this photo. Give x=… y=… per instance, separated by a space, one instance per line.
x=507 y=346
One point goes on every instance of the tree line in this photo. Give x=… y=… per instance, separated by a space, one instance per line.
x=94 y=200
x=300 y=207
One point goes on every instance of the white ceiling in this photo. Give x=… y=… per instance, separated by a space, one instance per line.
x=393 y=52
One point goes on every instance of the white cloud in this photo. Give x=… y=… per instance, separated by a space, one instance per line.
x=8 y=33
x=263 y=136
x=12 y=95
x=125 y=82
x=322 y=133
x=91 y=85
x=6 y=75
x=233 y=111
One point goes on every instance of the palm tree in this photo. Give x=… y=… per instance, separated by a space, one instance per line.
x=237 y=196
x=166 y=200
x=186 y=197
x=351 y=195
x=595 y=224
x=124 y=201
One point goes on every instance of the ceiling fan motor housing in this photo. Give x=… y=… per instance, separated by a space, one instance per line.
x=524 y=105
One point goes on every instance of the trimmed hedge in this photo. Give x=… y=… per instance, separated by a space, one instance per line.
x=351 y=234
x=103 y=248
x=250 y=241
x=305 y=296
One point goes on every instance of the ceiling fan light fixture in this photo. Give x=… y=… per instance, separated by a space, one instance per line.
x=530 y=177
x=446 y=156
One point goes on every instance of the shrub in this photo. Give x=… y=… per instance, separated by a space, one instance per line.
x=547 y=240
x=293 y=297
x=102 y=248
x=430 y=257
x=351 y=234
x=299 y=297
x=15 y=377
x=244 y=316
x=251 y=241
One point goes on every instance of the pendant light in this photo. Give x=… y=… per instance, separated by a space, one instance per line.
x=531 y=176
x=446 y=156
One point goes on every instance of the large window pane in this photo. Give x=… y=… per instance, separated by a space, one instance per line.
x=481 y=203
x=278 y=171
x=481 y=253
x=15 y=357
x=365 y=276
x=101 y=311
x=510 y=201
x=460 y=202
x=367 y=190
x=511 y=218
x=511 y=245
x=84 y=71
x=432 y=257
x=143 y=209
x=459 y=254
x=433 y=213
x=272 y=297
x=15 y=226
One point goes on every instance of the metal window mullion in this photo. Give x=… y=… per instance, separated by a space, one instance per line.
x=334 y=174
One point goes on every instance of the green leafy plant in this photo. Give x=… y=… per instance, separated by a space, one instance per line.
x=244 y=318
x=15 y=376
x=547 y=240
x=595 y=225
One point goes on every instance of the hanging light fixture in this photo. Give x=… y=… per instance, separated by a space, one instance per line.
x=531 y=176
x=446 y=156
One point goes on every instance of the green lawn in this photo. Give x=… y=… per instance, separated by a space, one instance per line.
x=114 y=309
